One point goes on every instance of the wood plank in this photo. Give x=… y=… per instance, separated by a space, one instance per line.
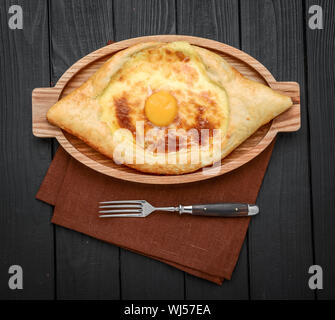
x=216 y=20
x=280 y=239
x=321 y=97
x=144 y=278
x=86 y=268
x=142 y=18
x=26 y=235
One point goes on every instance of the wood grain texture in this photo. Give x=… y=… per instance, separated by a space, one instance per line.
x=142 y=18
x=218 y=20
x=141 y=277
x=77 y=28
x=280 y=239
x=86 y=267
x=249 y=149
x=144 y=278
x=214 y=19
x=26 y=235
x=321 y=97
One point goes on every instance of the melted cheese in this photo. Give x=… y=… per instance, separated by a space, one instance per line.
x=170 y=74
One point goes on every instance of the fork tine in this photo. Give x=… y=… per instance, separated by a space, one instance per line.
x=121 y=201
x=125 y=215
x=121 y=206
x=121 y=211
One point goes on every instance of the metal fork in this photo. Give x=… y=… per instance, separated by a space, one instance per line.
x=142 y=208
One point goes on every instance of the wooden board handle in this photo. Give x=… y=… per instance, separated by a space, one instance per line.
x=42 y=100
x=288 y=121
x=288 y=88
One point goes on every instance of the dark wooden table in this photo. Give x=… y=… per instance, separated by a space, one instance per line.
x=297 y=226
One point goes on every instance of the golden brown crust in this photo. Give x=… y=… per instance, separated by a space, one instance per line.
x=252 y=104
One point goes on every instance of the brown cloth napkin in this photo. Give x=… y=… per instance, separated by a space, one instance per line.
x=207 y=247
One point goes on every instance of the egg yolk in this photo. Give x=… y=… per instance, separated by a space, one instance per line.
x=161 y=108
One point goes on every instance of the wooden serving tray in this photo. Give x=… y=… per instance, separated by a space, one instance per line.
x=44 y=98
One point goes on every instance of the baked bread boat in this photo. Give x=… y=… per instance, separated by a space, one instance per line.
x=145 y=100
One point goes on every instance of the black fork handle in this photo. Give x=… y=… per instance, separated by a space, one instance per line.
x=224 y=210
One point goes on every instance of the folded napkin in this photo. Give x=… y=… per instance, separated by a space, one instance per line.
x=207 y=247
